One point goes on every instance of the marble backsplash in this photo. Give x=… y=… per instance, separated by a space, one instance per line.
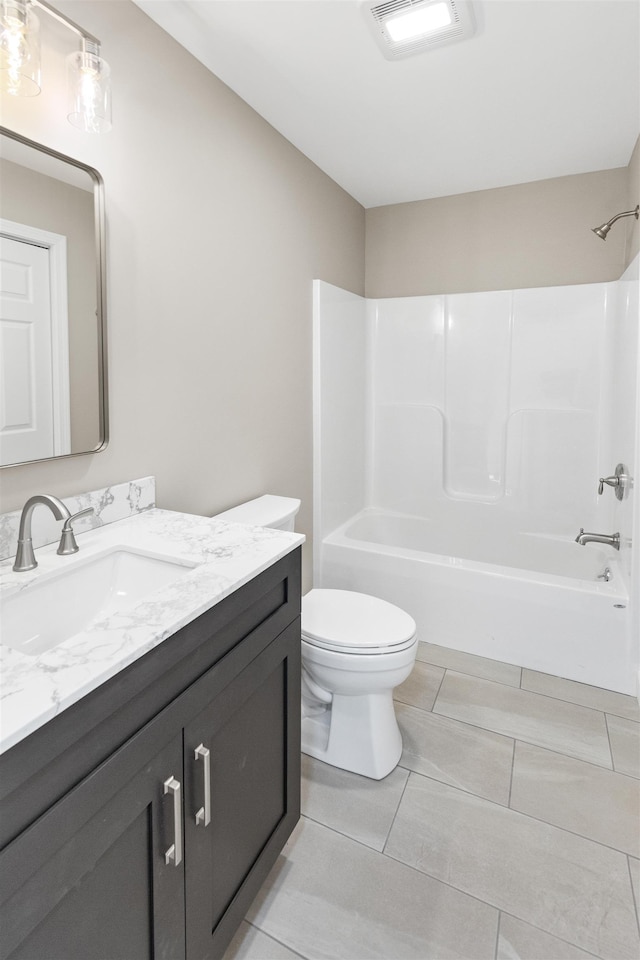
x=109 y=504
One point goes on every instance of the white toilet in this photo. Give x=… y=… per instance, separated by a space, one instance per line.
x=355 y=650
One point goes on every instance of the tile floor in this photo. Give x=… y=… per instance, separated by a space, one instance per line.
x=510 y=829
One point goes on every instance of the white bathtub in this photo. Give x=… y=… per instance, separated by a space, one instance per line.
x=530 y=600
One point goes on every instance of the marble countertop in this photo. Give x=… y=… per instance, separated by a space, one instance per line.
x=223 y=556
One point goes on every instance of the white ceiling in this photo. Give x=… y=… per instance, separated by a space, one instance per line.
x=544 y=89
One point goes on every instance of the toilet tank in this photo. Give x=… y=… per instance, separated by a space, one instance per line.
x=266 y=511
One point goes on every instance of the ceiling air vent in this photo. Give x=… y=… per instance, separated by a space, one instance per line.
x=405 y=27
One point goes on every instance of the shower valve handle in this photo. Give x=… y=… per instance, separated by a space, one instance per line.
x=619 y=481
x=611 y=481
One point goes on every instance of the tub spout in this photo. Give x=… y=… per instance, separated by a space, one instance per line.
x=612 y=539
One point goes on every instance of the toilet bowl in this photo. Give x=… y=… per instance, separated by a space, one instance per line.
x=355 y=649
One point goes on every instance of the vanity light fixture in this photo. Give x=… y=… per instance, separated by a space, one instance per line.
x=404 y=27
x=19 y=49
x=88 y=75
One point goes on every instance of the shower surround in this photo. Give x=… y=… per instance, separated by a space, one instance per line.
x=458 y=443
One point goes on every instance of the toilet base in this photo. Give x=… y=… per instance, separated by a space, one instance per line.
x=356 y=733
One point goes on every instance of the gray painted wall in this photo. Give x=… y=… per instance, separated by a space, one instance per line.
x=529 y=235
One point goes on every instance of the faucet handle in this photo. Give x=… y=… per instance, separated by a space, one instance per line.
x=68 y=543
x=610 y=481
x=620 y=481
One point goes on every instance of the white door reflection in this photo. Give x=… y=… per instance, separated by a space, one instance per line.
x=34 y=355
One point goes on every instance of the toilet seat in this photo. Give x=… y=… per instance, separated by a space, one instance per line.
x=355 y=623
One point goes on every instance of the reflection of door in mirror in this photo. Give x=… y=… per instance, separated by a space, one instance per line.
x=52 y=377
x=34 y=358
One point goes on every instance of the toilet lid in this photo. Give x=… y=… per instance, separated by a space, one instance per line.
x=354 y=622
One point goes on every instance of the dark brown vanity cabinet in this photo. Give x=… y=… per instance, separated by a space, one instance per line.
x=158 y=851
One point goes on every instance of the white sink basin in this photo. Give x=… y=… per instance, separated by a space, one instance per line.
x=45 y=613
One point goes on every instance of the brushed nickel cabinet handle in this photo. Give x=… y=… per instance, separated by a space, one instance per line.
x=174 y=853
x=203 y=815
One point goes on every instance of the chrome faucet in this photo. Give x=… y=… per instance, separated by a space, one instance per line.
x=25 y=557
x=612 y=539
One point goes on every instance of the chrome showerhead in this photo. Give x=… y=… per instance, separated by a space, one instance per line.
x=602 y=231
x=604 y=228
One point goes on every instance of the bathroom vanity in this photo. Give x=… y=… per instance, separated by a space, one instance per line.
x=141 y=819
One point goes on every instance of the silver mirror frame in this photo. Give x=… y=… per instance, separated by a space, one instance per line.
x=101 y=294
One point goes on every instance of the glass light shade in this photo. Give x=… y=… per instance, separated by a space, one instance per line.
x=19 y=49
x=89 y=80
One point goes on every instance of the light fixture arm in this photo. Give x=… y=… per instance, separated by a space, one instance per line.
x=60 y=17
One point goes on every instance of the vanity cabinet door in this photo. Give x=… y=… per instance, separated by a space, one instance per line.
x=242 y=798
x=88 y=879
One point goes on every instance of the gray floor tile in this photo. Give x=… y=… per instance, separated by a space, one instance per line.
x=521 y=941
x=330 y=897
x=250 y=943
x=456 y=753
x=606 y=700
x=469 y=663
x=572 y=888
x=422 y=686
x=564 y=897
x=634 y=870
x=577 y=796
x=565 y=727
x=625 y=745
x=362 y=809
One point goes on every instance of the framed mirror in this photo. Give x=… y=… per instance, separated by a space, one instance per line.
x=53 y=357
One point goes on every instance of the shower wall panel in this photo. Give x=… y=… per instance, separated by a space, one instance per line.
x=405 y=455
x=339 y=406
x=621 y=416
x=477 y=336
x=554 y=431
x=515 y=400
x=490 y=397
